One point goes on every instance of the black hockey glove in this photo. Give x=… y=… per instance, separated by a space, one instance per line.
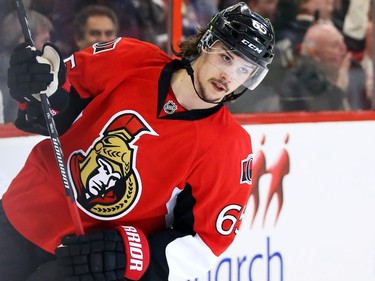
x=107 y=255
x=33 y=72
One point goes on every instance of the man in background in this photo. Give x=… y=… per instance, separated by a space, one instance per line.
x=95 y=23
x=11 y=35
x=324 y=74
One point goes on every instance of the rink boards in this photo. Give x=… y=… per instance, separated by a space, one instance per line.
x=318 y=176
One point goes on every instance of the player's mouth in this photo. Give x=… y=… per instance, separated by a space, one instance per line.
x=218 y=86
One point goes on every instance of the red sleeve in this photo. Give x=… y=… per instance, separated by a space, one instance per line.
x=101 y=68
x=221 y=185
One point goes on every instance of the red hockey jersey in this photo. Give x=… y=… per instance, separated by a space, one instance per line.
x=136 y=157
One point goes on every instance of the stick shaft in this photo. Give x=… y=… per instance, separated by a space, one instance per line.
x=24 y=22
x=56 y=145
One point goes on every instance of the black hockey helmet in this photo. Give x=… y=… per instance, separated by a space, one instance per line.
x=247 y=34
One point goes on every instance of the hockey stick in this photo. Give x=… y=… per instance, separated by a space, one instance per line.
x=48 y=116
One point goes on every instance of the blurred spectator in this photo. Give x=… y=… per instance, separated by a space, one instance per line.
x=197 y=14
x=367 y=62
x=11 y=34
x=190 y=22
x=355 y=25
x=7 y=6
x=325 y=11
x=356 y=19
x=205 y=10
x=324 y=77
x=222 y=4
x=266 y=8
x=290 y=37
x=61 y=14
x=94 y=23
x=285 y=15
x=40 y=26
x=141 y=19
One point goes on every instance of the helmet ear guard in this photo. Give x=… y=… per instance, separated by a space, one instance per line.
x=208 y=40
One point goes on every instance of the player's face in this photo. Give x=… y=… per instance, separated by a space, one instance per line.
x=220 y=71
x=98 y=29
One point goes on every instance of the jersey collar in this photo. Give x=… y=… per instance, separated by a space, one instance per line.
x=163 y=87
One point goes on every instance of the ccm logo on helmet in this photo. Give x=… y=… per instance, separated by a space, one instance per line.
x=251 y=46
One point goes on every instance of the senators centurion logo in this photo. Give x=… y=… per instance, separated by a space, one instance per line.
x=105 y=179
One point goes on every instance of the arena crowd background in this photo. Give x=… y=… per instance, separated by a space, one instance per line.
x=294 y=83
x=312 y=212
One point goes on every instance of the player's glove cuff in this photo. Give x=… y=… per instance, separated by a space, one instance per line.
x=107 y=255
x=30 y=116
x=137 y=251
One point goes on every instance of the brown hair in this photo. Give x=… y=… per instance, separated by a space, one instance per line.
x=189 y=48
x=80 y=19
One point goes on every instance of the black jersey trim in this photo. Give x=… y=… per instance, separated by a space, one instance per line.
x=183 y=211
x=183 y=225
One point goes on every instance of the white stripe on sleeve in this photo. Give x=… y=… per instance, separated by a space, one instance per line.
x=189 y=257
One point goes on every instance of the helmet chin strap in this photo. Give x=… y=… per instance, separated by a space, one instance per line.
x=186 y=64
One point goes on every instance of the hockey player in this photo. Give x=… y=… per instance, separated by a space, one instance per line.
x=160 y=170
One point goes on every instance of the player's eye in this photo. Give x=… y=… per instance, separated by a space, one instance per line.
x=227 y=58
x=243 y=70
